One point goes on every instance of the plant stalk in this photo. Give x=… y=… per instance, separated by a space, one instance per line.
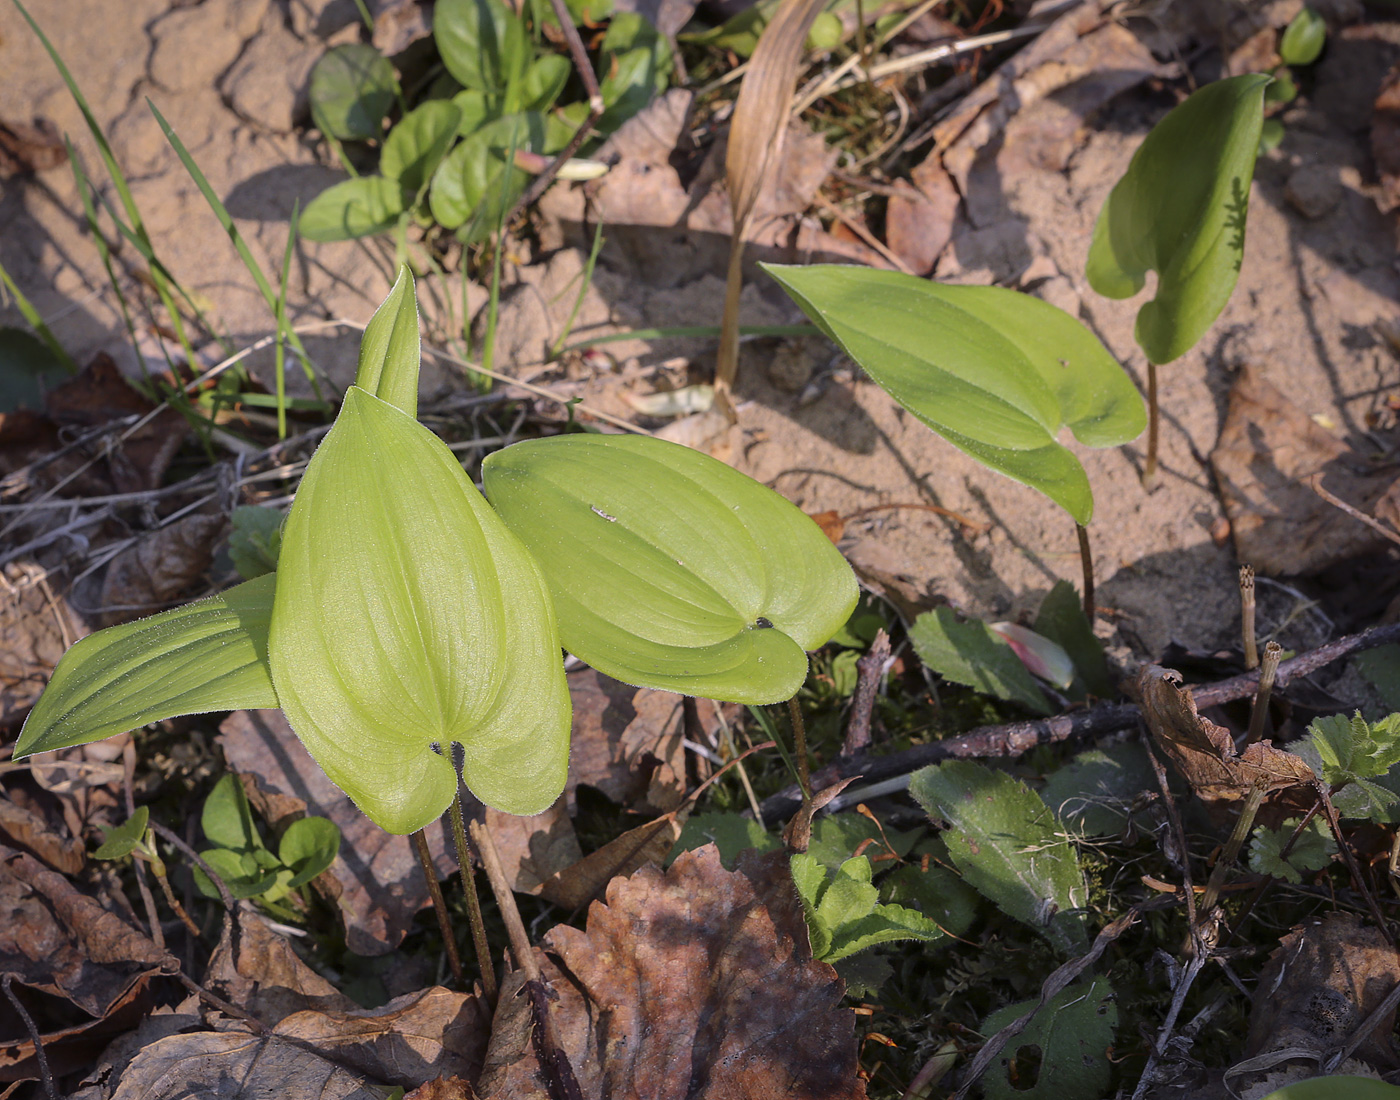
x=1251 y=646
x=1231 y=851
x=464 y=865
x=425 y=860
x=1268 y=669
x=1086 y=559
x=799 y=748
x=1149 y=465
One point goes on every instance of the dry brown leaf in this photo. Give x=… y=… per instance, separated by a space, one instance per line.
x=158 y=569
x=831 y=523
x=443 y=1088
x=25 y=149
x=36 y=627
x=1385 y=140
x=919 y=219
x=24 y=828
x=532 y=849
x=1256 y=54
x=375 y=882
x=1205 y=754
x=575 y=886
x=1268 y=451
x=685 y=987
x=234 y=1065
x=270 y=981
x=414 y=1038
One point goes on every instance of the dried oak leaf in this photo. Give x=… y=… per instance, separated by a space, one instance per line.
x=375 y=881
x=1205 y=755
x=443 y=1088
x=269 y=980
x=1269 y=449
x=1324 y=978
x=409 y=1041
x=36 y=627
x=683 y=986
x=234 y=1065
x=155 y=571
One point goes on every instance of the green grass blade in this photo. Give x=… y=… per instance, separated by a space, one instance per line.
x=30 y=314
x=582 y=291
x=691 y=330
x=283 y=329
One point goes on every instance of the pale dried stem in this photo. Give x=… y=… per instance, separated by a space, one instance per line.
x=1268 y=671
x=1251 y=645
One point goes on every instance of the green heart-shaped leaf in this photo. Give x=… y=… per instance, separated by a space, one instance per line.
x=668 y=568
x=1179 y=210
x=351 y=209
x=210 y=655
x=408 y=617
x=308 y=847
x=996 y=373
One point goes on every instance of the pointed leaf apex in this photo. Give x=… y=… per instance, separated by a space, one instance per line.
x=391 y=353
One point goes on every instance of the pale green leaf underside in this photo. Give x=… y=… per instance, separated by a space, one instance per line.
x=662 y=561
x=407 y=616
x=205 y=656
x=1179 y=210
x=1006 y=843
x=995 y=372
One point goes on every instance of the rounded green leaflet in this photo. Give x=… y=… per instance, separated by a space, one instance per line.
x=352 y=209
x=668 y=568
x=408 y=618
x=995 y=372
x=416 y=145
x=352 y=88
x=1179 y=210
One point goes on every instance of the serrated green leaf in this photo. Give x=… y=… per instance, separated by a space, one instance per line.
x=255 y=540
x=1061 y=618
x=1005 y=842
x=1073 y=1033
x=418 y=143
x=1093 y=792
x=1314 y=850
x=227 y=820
x=121 y=841
x=205 y=656
x=1352 y=749
x=1304 y=38
x=352 y=88
x=938 y=893
x=971 y=653
x=1338 y=1087
x=994 y=372
x=670 y=569
x=844 y=912
x=836 y=837
x=391 y=351
x=483 y=43
x=408 y=617
x=1180 y=210
x=307 y=848
x=351 y=209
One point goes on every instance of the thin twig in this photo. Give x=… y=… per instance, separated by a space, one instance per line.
x=1349 y=857
x=444 y=919
x=1178 y=833
x=870 y=673
x=29 y=1025
x=1315 y=483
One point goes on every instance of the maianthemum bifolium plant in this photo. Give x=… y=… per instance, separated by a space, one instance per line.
x=407 y=615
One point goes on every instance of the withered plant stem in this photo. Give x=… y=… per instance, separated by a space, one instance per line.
x=1268 y=670
x=1251 y=646
x=464 y=865
x=1231 y=851
x=1149 y=465
x=1086 y=559
x=799 y=748
x=449 y=941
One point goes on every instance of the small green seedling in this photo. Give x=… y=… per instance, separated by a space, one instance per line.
x=1180 y=211
x=996 y=373
x=243 y=861
x=1303 y=39
x=844 y=911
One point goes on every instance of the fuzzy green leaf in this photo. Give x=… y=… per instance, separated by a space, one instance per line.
x=352 y=88
x=408 y=617
x=844 y=912
x=1073 y=1033
x=1180 y=211
x=668 y=568
x=122 y=840
x=307 y=848
x=1314 y=850
x=971 y=653
x=351 y=209
x=255 y=540
x=205 y=656
x=418 y=143
x=1353 y=749
x=391 y=351
x=994 y=372
x=1006 y=843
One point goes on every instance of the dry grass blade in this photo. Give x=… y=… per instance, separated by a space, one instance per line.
x=755 y=144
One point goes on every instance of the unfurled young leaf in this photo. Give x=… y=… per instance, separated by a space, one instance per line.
x=995 y=372
x=407 y=619
x=1304 y=38
x=307 y=848
x=205 y=656
x=1061 y=618
x=122 y=840
x=255 y=540
x=1180 y=211
x=668 y=568
x=973 y=654
x=1041 y=656
x=352 y=88
x=1007 y=844
x=1314 y=850
x=1071 y=1035
x=844 y=912
x=391 y=352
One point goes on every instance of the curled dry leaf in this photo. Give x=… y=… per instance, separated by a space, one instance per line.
x=375 y=881
x=24 y=828
x=1205 y=755
x=688 y=987
x=269 y=980
x=156 y=571
x=1324 y=978
x=575 y=886
x=1269 y=449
